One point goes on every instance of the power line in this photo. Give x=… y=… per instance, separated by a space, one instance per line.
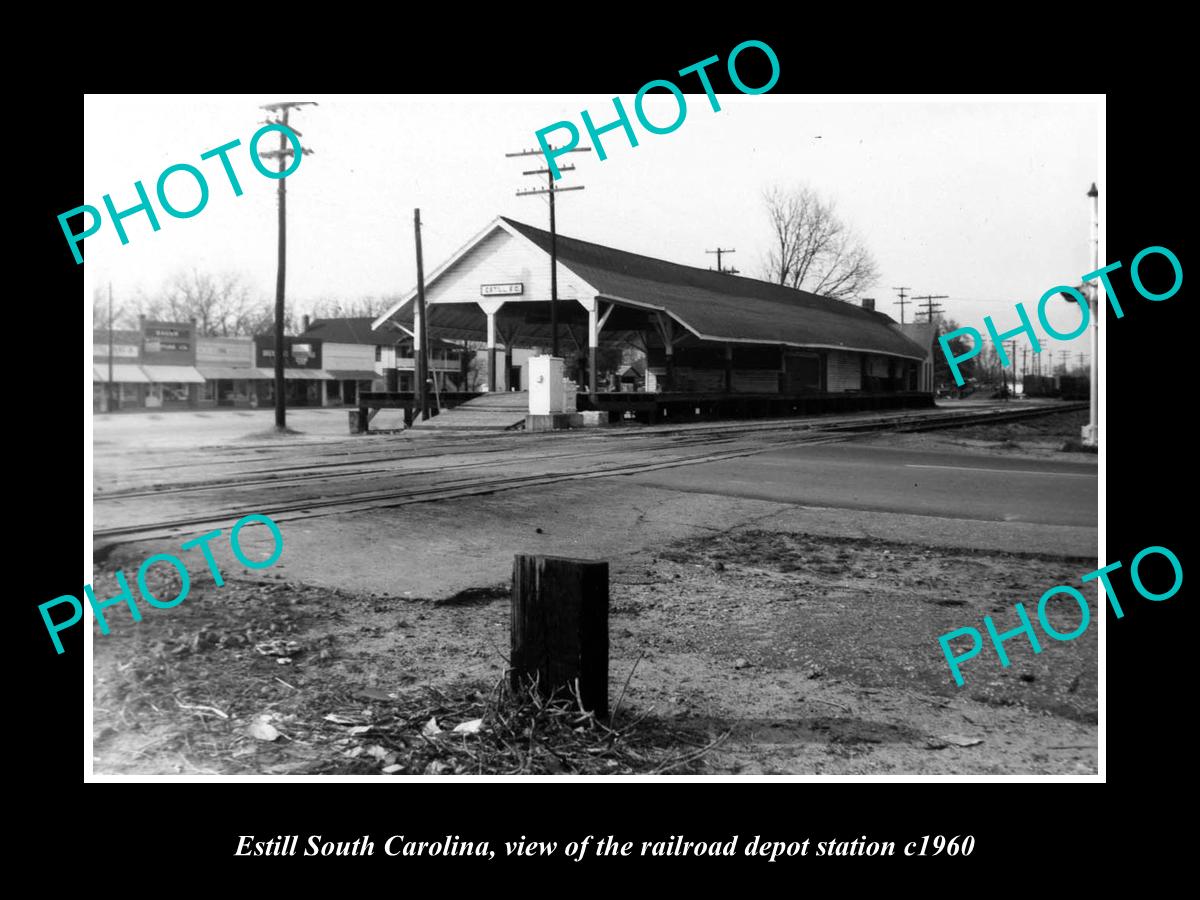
x=902 y=302
x=284 y=151
x=551 y=190
x=719 y=251
x=930 y=306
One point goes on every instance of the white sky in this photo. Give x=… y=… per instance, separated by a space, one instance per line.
x=981 y=200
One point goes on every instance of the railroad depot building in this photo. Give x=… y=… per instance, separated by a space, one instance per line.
x=703 y=336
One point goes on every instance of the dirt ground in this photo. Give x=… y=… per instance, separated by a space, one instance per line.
x=739 y=638
x=1045 y=437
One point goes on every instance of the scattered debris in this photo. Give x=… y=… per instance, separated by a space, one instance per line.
x=262 y=730
x=952 y=740
x=278 y=647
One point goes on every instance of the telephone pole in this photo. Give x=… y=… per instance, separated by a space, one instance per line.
x=930 y=306
x=1012 y=357
x=551 y=190
x=719 y=251
x=281 y=110
x=901 y=302
x=110 y=350
x=421 y=331
x=1091 y=431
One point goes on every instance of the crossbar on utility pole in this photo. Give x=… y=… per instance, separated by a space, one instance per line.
x=930 y=307
x=721 y=251
x=901 y=302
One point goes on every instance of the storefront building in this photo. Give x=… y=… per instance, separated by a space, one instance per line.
x=128 y=381
x=352 y=355
x=169 y=361
x=304 y=378
x=230 y=376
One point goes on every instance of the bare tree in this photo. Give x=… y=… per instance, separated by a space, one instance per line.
x=362 y=308
x=813 y=249
x=217 y=302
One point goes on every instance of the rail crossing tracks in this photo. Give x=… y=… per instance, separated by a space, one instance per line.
x=321 y=488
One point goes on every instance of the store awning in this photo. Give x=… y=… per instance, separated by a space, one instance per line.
x=354 y=374
x=121 y=374
x=173 y=374
x=299 y=374
x=229 y=373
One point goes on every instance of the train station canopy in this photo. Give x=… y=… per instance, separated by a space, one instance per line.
x=501 y=277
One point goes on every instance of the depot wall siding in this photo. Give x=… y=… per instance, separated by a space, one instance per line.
x=844 y=372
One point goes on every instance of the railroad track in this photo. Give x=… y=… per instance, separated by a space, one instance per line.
x=701 y=440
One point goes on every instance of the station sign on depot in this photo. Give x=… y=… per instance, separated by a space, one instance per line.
x=622 y=116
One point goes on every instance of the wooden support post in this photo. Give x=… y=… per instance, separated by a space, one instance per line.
x=560 y=627
x=667 y=333
x=729 y=368
x=493 y=381
x=593 y=344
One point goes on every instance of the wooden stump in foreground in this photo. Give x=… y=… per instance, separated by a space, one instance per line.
x=560 y=627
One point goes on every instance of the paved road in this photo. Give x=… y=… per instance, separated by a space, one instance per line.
x=948 y=485
x=290 y=476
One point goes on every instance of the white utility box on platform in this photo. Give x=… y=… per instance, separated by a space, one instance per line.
x=545 y=385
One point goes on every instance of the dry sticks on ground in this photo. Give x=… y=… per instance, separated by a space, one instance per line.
x=525 y=733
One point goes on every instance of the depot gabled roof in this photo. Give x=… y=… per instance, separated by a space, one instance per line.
x=711 y=305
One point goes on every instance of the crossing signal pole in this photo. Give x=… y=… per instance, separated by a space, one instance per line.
x=901 y=302
x=551 y=190
x=719 y=251
x=281 y=111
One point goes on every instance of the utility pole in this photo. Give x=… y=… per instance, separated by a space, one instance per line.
x=421 y=332
x=902 y=302
x=109 y=391
x=1012 y=356
x=1091 y=432
x=551 y=190
x=930 y=306
x=719 y=251
x=284 y=151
